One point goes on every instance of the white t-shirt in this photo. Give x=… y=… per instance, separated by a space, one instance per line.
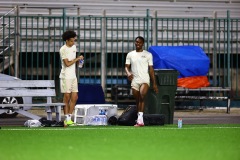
x=140 y=61
x=70 y=54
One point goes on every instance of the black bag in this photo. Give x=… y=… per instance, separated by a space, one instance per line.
x=128 y=117
x=153 y=119
x=112 y=120
x=49 y=123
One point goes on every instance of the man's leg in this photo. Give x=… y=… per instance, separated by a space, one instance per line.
x=66 y=99
x=142 y=94
x=72 y=102
x=74 y=98
x=136 y=96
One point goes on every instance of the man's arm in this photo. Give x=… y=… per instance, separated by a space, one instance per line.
x=69 y=63
x=152 y=77
x=129 y=74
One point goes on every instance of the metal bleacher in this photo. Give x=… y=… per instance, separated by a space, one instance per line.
x=165 y=8
x=167 y=22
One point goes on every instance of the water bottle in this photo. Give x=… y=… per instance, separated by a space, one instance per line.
x=179 y=122
x=102 y=120
x=102 y=111
x=105 y=120
x=105 y=112
x=80 y=64
x=99 y=121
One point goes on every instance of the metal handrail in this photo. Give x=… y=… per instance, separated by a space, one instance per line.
x=6 y=37
x=8 y=12
x=7 y=25
x=6 y=48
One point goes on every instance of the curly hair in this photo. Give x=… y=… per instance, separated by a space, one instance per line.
x=68 y=34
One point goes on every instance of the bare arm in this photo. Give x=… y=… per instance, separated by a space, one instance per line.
x=129 y=74
x=152 y=77
x=69 y=63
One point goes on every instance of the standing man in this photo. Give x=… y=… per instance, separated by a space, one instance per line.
x=138 y=67
x=68 y=78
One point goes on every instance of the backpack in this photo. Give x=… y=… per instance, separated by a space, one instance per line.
x=49 y=123
x=129 y=116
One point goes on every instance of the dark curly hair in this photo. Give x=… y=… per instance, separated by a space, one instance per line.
x=68 y=34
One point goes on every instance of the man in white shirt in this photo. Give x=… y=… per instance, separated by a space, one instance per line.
x=68 y=78
x=139 y=70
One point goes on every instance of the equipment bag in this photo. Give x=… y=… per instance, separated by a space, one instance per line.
x=153 y=119
x=128 y=117
x=49 y=123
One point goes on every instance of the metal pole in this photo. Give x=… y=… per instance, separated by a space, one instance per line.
x=148 y=29
x=64 y=19
x=228 y=49
x=78 y=40
x=50 y=40
x=17 y=36
x=214 y=48
x=154 y=29
x=103 y=52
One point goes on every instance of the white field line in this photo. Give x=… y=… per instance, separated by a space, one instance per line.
x=112 y=128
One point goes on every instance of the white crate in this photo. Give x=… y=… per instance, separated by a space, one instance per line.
x=84 y=110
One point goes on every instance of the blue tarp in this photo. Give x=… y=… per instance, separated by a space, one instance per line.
x=187 y=60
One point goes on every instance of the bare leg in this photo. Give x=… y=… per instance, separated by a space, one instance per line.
x=140 y=96
x=66 y=99
x=136 y=96
x=143 y=92
x=74 y=97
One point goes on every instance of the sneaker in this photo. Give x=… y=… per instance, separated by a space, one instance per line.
x=139 y=124
x=58 y=124
x=70 y=123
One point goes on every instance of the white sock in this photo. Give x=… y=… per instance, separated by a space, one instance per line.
x=66 y=117
x=140 y=116
x=70 y=117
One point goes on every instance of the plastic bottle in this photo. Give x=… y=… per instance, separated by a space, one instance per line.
x=80 y=64
x=102 y=111
x=102 y=120
x=179 y=122
x=105 y=120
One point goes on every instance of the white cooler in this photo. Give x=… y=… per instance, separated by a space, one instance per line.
x=83 y=111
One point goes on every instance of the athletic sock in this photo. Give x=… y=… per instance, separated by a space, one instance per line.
x=140 y=116
x=69 y=117
x=66 y=117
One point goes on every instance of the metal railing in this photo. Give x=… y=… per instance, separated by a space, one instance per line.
x=7 y=41
x=111 y=38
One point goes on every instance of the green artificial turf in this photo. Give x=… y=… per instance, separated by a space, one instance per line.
x=192 y=142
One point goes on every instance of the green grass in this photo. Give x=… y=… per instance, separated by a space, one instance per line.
x=192 y=142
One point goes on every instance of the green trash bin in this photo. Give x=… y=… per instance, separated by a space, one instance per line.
x=164 y=101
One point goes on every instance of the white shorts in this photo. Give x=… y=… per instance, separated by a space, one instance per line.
x=136 y=85
x=68 y=85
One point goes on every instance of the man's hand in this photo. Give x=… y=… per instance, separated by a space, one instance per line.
x=155 y=88
x=80 y=57
x=130 y=77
